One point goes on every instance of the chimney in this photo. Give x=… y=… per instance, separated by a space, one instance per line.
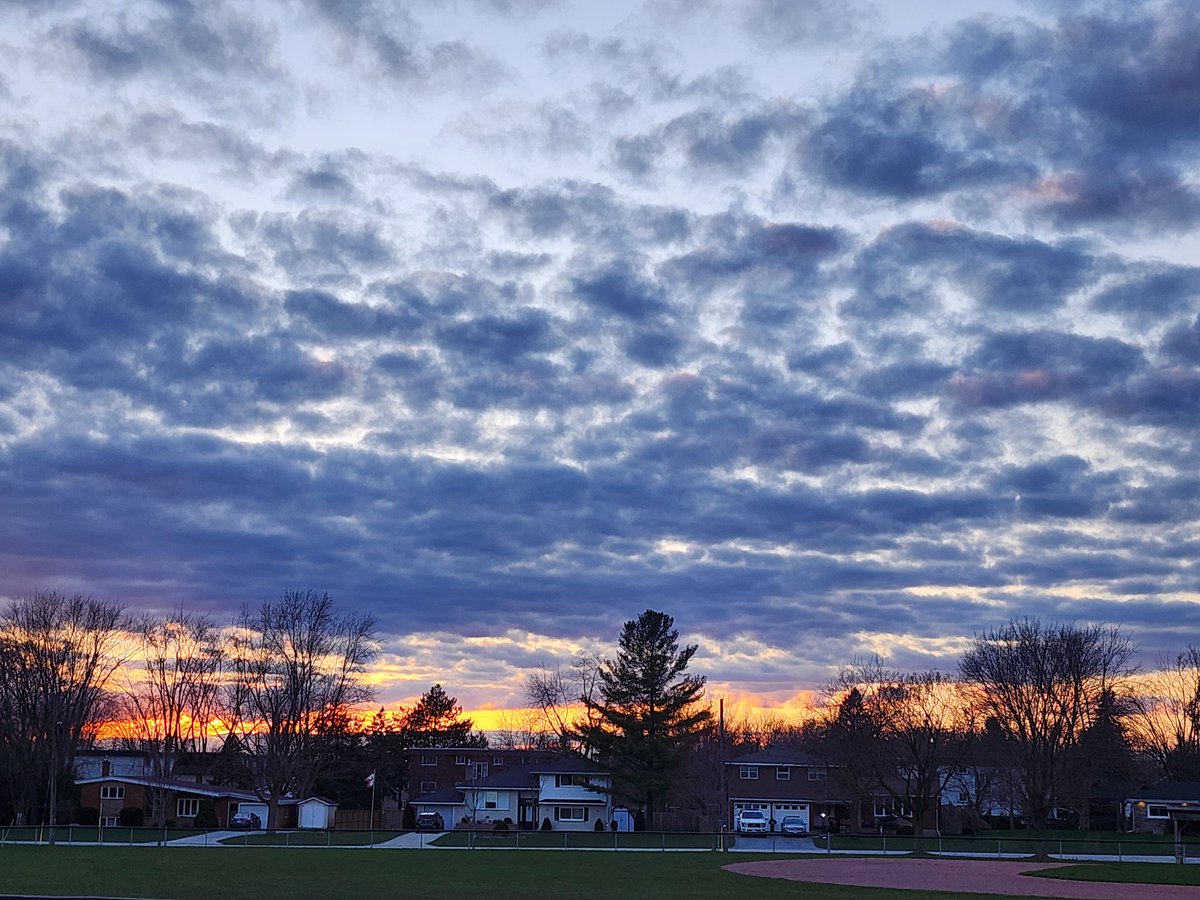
x=105 y=768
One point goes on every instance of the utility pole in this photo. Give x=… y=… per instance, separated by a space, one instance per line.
x=54 y=741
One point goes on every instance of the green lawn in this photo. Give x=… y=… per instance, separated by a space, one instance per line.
x=579 y=840
x=311 y=838
x=1133 y=873
x=179 y=873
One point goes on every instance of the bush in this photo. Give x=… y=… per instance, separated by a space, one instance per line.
x=599 y=825
x=639 y=821
x=87 y=815
x=206 y=815
x=132 y=817
x=408 y=819
x=500 y=825
x=546 y=826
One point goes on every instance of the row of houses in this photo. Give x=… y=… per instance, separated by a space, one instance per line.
x=529 y=789
x=782 y=782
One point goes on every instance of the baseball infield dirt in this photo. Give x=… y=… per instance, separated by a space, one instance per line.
x=962 y=875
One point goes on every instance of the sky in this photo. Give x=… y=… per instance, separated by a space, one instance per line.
x=829 y=328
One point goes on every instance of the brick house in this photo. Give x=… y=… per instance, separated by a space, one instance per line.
x=1157 y=808
x=572 y=792
x=436 y=769
x=784 y=782
x=180 y=800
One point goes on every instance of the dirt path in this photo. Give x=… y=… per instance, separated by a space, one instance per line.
x=963 y=875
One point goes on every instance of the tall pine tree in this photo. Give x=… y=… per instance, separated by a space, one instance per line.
x=436 y=721
x=648 y=713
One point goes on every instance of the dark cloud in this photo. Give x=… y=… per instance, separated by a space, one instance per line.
x=784 y=23
x=1150 y=292
x=1042 y=366
x=901 y=270
x=390 y=42
x=197 y=47
x=621 y=290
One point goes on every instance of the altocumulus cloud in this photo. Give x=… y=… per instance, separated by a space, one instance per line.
x=506 y=320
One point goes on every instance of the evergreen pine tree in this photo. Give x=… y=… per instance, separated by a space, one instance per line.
x=648 y=713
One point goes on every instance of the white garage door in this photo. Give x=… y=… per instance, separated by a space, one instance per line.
x=259 y=809
x=779 y=810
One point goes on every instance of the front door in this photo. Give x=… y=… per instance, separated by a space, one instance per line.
x=525 y=813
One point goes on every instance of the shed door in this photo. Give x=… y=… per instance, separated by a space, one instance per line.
x=312 y=815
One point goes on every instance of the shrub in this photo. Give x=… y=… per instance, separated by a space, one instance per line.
x=599 y=825
x=408 y=819
x=546 y=826
x=132 y=817
x=639 y=821
x=500 y=825
x=88 y=815
x=206 y=815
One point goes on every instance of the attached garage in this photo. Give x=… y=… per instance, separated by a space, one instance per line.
x=255 y=808
x=780 y=810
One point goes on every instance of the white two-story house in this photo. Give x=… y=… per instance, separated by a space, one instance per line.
x=572 y=793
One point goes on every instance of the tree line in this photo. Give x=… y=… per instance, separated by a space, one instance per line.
x=1038 y=714
x=268 y=702
x=1034 y=717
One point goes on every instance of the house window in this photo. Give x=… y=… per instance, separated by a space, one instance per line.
x=108 y=821
x=477 y=770
x=112 y=792
x=428 y=759
x=428 y=787
x=187 y=807
x=817 y=773
x=571 y=781
x=892 y=808
x=497 y=760
x=570 y=813
x=748 y=773
x=1157 y=812
x=460 y=760
x=783 y=773
x=495 y=800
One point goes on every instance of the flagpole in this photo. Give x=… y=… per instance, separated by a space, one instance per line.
x=373 y=780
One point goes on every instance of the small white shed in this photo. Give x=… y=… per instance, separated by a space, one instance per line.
x=315 y=812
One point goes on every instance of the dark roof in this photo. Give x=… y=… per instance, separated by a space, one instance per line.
x=507 y=779
x=572 y=765
x=1169 y=791
x=179 y=787
x=445 y=795
x=775 y=756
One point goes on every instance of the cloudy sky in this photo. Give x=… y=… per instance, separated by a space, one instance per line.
x=828 y=328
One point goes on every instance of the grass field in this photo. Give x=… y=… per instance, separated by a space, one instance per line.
x=1139 y=873
x=351 y=874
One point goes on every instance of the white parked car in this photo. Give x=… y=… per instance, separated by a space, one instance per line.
x=750 y=821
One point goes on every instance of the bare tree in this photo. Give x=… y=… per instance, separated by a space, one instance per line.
x=58 y=653
x=295 y=667
x=172 y=694
x=1166 y=725
x=564 y=698
x=919 y=719
x=1043 y=685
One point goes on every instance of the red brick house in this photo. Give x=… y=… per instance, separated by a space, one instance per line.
x=434 y=769
x=783 y=782
x=179 y=800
